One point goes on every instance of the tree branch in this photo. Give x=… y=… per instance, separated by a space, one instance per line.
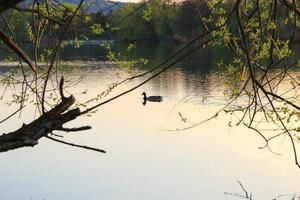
x=28 y=135
x=13 y=46
x=76 y=145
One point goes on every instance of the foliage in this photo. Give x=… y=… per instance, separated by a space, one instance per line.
x=21 y=26
x=156 y=20
x=135 y=27
x=255 y=32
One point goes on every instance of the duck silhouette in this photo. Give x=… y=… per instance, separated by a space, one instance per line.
x=151 y=98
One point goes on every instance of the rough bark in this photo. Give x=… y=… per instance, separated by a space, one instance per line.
x=28 y=135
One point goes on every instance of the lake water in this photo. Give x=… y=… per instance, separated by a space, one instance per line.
x=143 y=160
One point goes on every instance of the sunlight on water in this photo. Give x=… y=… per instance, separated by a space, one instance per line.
x=145 y=160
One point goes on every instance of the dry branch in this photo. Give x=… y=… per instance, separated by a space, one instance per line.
x=28 y=135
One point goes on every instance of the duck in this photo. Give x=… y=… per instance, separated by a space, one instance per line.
x=152 y=98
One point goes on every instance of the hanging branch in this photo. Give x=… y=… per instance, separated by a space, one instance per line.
x=13 y=46
x=55 y=54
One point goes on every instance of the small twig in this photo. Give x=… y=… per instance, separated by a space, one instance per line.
x=3 y=120
x=247 y=195
x=82 y=128
x=76 y=145
x=56 y=135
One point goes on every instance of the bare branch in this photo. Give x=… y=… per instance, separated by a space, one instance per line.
x=17 y=50
x=76 y=145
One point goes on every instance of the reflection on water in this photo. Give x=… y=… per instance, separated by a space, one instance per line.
x=143 y=161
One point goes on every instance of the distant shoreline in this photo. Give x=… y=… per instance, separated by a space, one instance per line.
x=74 y=63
